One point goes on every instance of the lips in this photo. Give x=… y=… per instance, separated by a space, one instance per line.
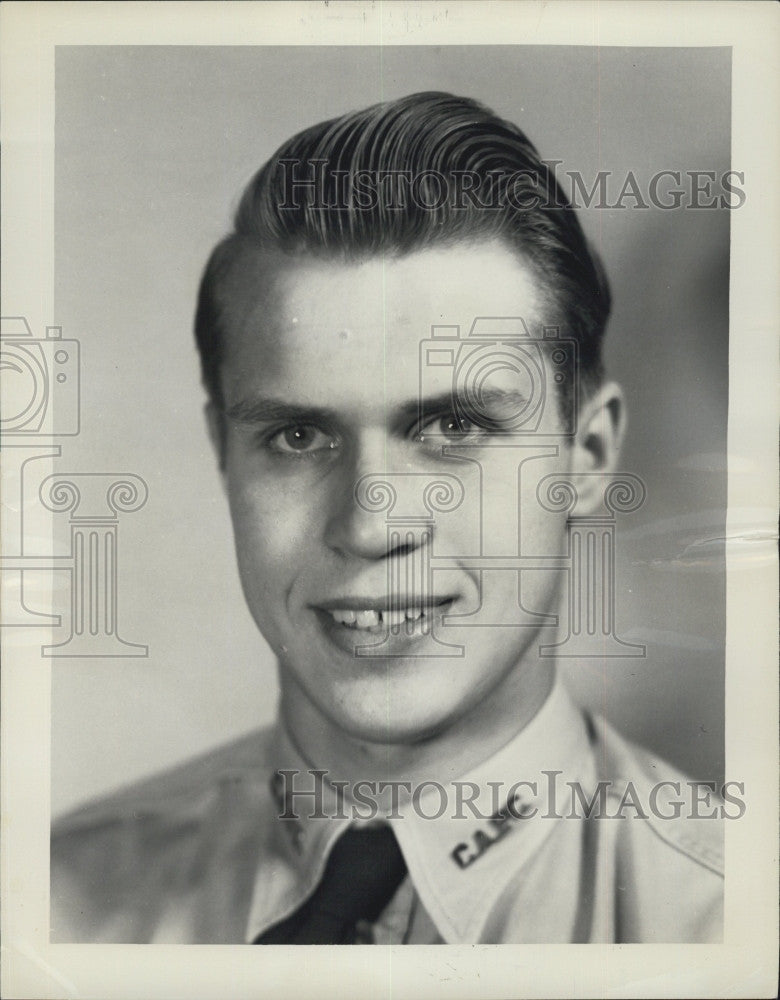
x=376 y=621
x=397 y=616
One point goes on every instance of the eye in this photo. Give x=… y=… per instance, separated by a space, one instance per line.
x=450 y=428
x=301 y=439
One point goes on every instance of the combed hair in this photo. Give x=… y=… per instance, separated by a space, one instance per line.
x=417 y=134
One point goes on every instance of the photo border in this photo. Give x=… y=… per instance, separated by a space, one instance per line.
x=746 y=964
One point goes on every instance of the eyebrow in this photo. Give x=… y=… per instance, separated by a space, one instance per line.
x=264 y=410
x=447 y=402
x=261 y=410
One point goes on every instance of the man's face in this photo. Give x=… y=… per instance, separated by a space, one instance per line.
x=322 y=382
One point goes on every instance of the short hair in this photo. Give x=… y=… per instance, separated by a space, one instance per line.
x=435 y=142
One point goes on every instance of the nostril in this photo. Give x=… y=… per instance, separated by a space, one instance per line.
x=402 y=542
x=369 y=536
x=378 y=513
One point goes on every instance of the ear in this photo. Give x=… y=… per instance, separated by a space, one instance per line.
x=597 y=443
x=215 y=423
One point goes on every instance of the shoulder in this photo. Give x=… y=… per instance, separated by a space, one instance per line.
x=686 y=814
x=118 y=862
x=667 y=832
x=182 y=787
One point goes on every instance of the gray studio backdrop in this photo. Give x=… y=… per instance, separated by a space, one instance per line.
x=153 y=145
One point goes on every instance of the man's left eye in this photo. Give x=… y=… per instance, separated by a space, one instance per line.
x=449 y=427
x=300 y=440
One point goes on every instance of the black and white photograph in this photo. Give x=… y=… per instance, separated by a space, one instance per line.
x=389 y=524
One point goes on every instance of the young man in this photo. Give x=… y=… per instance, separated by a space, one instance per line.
x=401 y=346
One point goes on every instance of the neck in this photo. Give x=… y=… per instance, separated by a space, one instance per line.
x=460 y=745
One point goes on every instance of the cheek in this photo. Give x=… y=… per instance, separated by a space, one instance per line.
x=274 y=530
x=517 y=523
x=542 y=533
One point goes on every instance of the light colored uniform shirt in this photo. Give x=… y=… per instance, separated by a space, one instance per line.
x=201 y=855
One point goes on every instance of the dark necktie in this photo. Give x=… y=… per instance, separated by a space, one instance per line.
x=362 y=874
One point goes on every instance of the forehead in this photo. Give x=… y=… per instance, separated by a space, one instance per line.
x=304 y=325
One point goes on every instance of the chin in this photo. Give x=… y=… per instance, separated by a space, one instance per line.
x=396 y=732
x=402 y=721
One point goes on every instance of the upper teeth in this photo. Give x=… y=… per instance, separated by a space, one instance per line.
x=370 y=619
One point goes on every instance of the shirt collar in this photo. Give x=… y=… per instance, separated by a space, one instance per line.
x=463 y=839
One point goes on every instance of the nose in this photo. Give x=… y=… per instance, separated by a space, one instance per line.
x=362 y=495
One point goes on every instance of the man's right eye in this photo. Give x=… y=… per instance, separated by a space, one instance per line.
x=301 y=439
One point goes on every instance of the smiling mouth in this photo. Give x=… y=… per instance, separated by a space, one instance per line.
x=376 y=620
